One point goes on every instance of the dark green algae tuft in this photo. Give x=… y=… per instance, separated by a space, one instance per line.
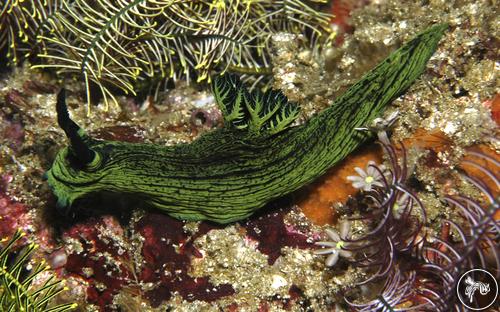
x=229 y=173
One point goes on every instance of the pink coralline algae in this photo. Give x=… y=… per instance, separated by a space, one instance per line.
x=11 y=132
x=13 y=215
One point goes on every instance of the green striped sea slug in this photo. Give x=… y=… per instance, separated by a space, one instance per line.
x=229 y=173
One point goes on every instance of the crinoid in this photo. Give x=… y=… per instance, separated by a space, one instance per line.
x=20 y=23
x=409 y=267
x=24 y=286
x=395 y=214
x=419 y=270
x=469 y=244
x=116 y=44
x=397 y=285
x=16 y=27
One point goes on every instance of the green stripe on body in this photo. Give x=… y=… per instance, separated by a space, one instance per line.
x=229 y=173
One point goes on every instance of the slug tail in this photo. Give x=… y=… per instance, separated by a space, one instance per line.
x=368 y=97
x=75 y=134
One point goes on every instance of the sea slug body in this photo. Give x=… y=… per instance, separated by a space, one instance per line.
x=229 y=173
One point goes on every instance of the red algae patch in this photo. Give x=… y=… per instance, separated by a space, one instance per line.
x=109 y=262
x=272 y=234
x=317 y=199
x=167 y=251
x=98 y=259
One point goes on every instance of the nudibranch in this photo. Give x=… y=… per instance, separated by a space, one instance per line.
x=258 y=156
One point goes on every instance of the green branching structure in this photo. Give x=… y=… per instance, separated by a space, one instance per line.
x=18 y=289
x=259 y=113
x=229 y=173
x=121 y=44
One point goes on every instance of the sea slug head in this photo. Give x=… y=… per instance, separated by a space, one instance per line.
x=76 y=169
